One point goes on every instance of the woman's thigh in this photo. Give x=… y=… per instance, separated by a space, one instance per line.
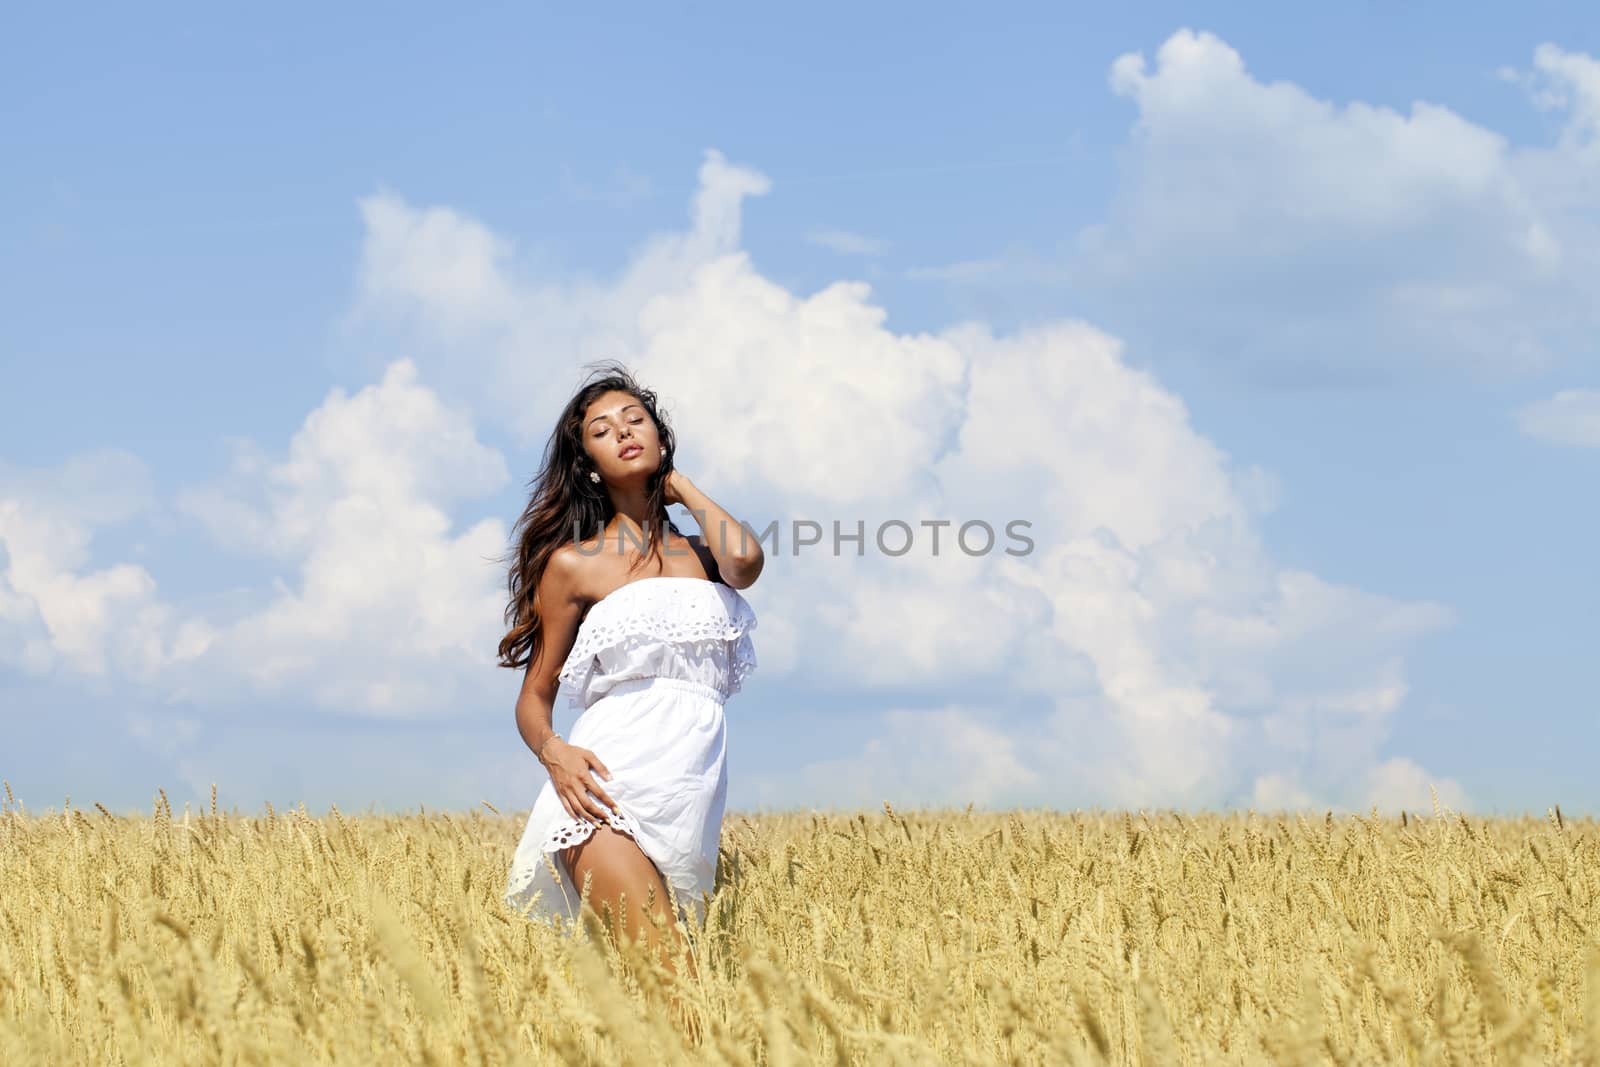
x=616 y=864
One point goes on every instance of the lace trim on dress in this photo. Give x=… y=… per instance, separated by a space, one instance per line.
x=570 y=831
x=741 y=662
x=663 y=608
x=565 y=834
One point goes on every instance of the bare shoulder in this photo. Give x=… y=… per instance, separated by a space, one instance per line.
x=558 y=602
x=564 y=578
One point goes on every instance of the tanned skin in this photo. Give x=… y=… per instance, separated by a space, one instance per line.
x=574 y=581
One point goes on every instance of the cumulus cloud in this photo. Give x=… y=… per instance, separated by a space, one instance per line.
x=1392 y=786
x=1280 y=792
x=59 y=612
x=1435 y=231
x=953 y=755
x=1308 y=241
x=387 y=610
x=841 y=388
x=1178 y=662
x=1342 y=233
x=391 y=611
x=1401 y=785
x=1567 y=83
x=496 y=332
x=1570 y=417
x=439 y=269
x=1157 y=586
x=1146 y=649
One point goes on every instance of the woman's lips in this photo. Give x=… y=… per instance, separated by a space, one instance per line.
x=631 y=451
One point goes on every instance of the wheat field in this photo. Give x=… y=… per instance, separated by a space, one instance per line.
x=894 y=937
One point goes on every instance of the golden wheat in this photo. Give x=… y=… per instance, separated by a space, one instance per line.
x=925 y=937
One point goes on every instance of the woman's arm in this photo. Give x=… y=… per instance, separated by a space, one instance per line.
x=571 y=767
x=560 y=611
x=736 y=549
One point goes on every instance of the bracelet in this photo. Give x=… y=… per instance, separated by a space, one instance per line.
x=552 y=737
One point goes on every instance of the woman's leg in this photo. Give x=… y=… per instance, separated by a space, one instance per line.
x=617 y=866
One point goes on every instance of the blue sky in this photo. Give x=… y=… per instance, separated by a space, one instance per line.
x=1280 y=327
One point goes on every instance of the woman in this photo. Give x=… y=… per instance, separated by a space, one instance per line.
x=647 y=629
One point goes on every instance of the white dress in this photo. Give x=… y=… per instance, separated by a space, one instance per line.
x=652 y=665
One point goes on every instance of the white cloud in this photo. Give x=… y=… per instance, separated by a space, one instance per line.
x=58 y=611
x=1395 y=785
x=1320 y=169
x=807 y=397
x=1308 y=240
x=1399 y=784
x=847 y=244
x=442 y=267
x=1359 y=221
x=1178 y=661
x=1569 y=82
x=502 y=340
x=689 y=308
x=1570 y=417
x=392 y=612
x=1279 y=792
x=1152 y=577
x=1159 y=653
x=942 y=756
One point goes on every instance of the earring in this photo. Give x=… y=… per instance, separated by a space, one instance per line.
x=663 y=450
x=594 y=476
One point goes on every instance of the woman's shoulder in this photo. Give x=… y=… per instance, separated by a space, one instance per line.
x=567 y=564
x=584 y=572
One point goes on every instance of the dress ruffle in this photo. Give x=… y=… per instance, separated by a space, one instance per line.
x=570 y=831
x=656 y=610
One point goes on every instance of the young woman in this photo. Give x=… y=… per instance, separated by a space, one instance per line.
x=647 y=629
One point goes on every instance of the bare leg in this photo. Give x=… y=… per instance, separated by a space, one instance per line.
x=617 y=866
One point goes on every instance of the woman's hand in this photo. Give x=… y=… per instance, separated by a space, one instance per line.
x=677 y=482
x=569 y=769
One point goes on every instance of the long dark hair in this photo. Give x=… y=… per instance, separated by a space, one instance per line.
x=565 y=505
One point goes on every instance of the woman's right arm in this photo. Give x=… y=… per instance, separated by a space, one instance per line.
x=560 y=609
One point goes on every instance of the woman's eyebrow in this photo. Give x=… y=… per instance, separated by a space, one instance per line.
x=620 y=410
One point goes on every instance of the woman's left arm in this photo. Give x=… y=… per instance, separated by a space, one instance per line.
x=736 y=548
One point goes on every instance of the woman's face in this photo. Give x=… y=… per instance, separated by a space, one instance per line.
x=620 y=437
